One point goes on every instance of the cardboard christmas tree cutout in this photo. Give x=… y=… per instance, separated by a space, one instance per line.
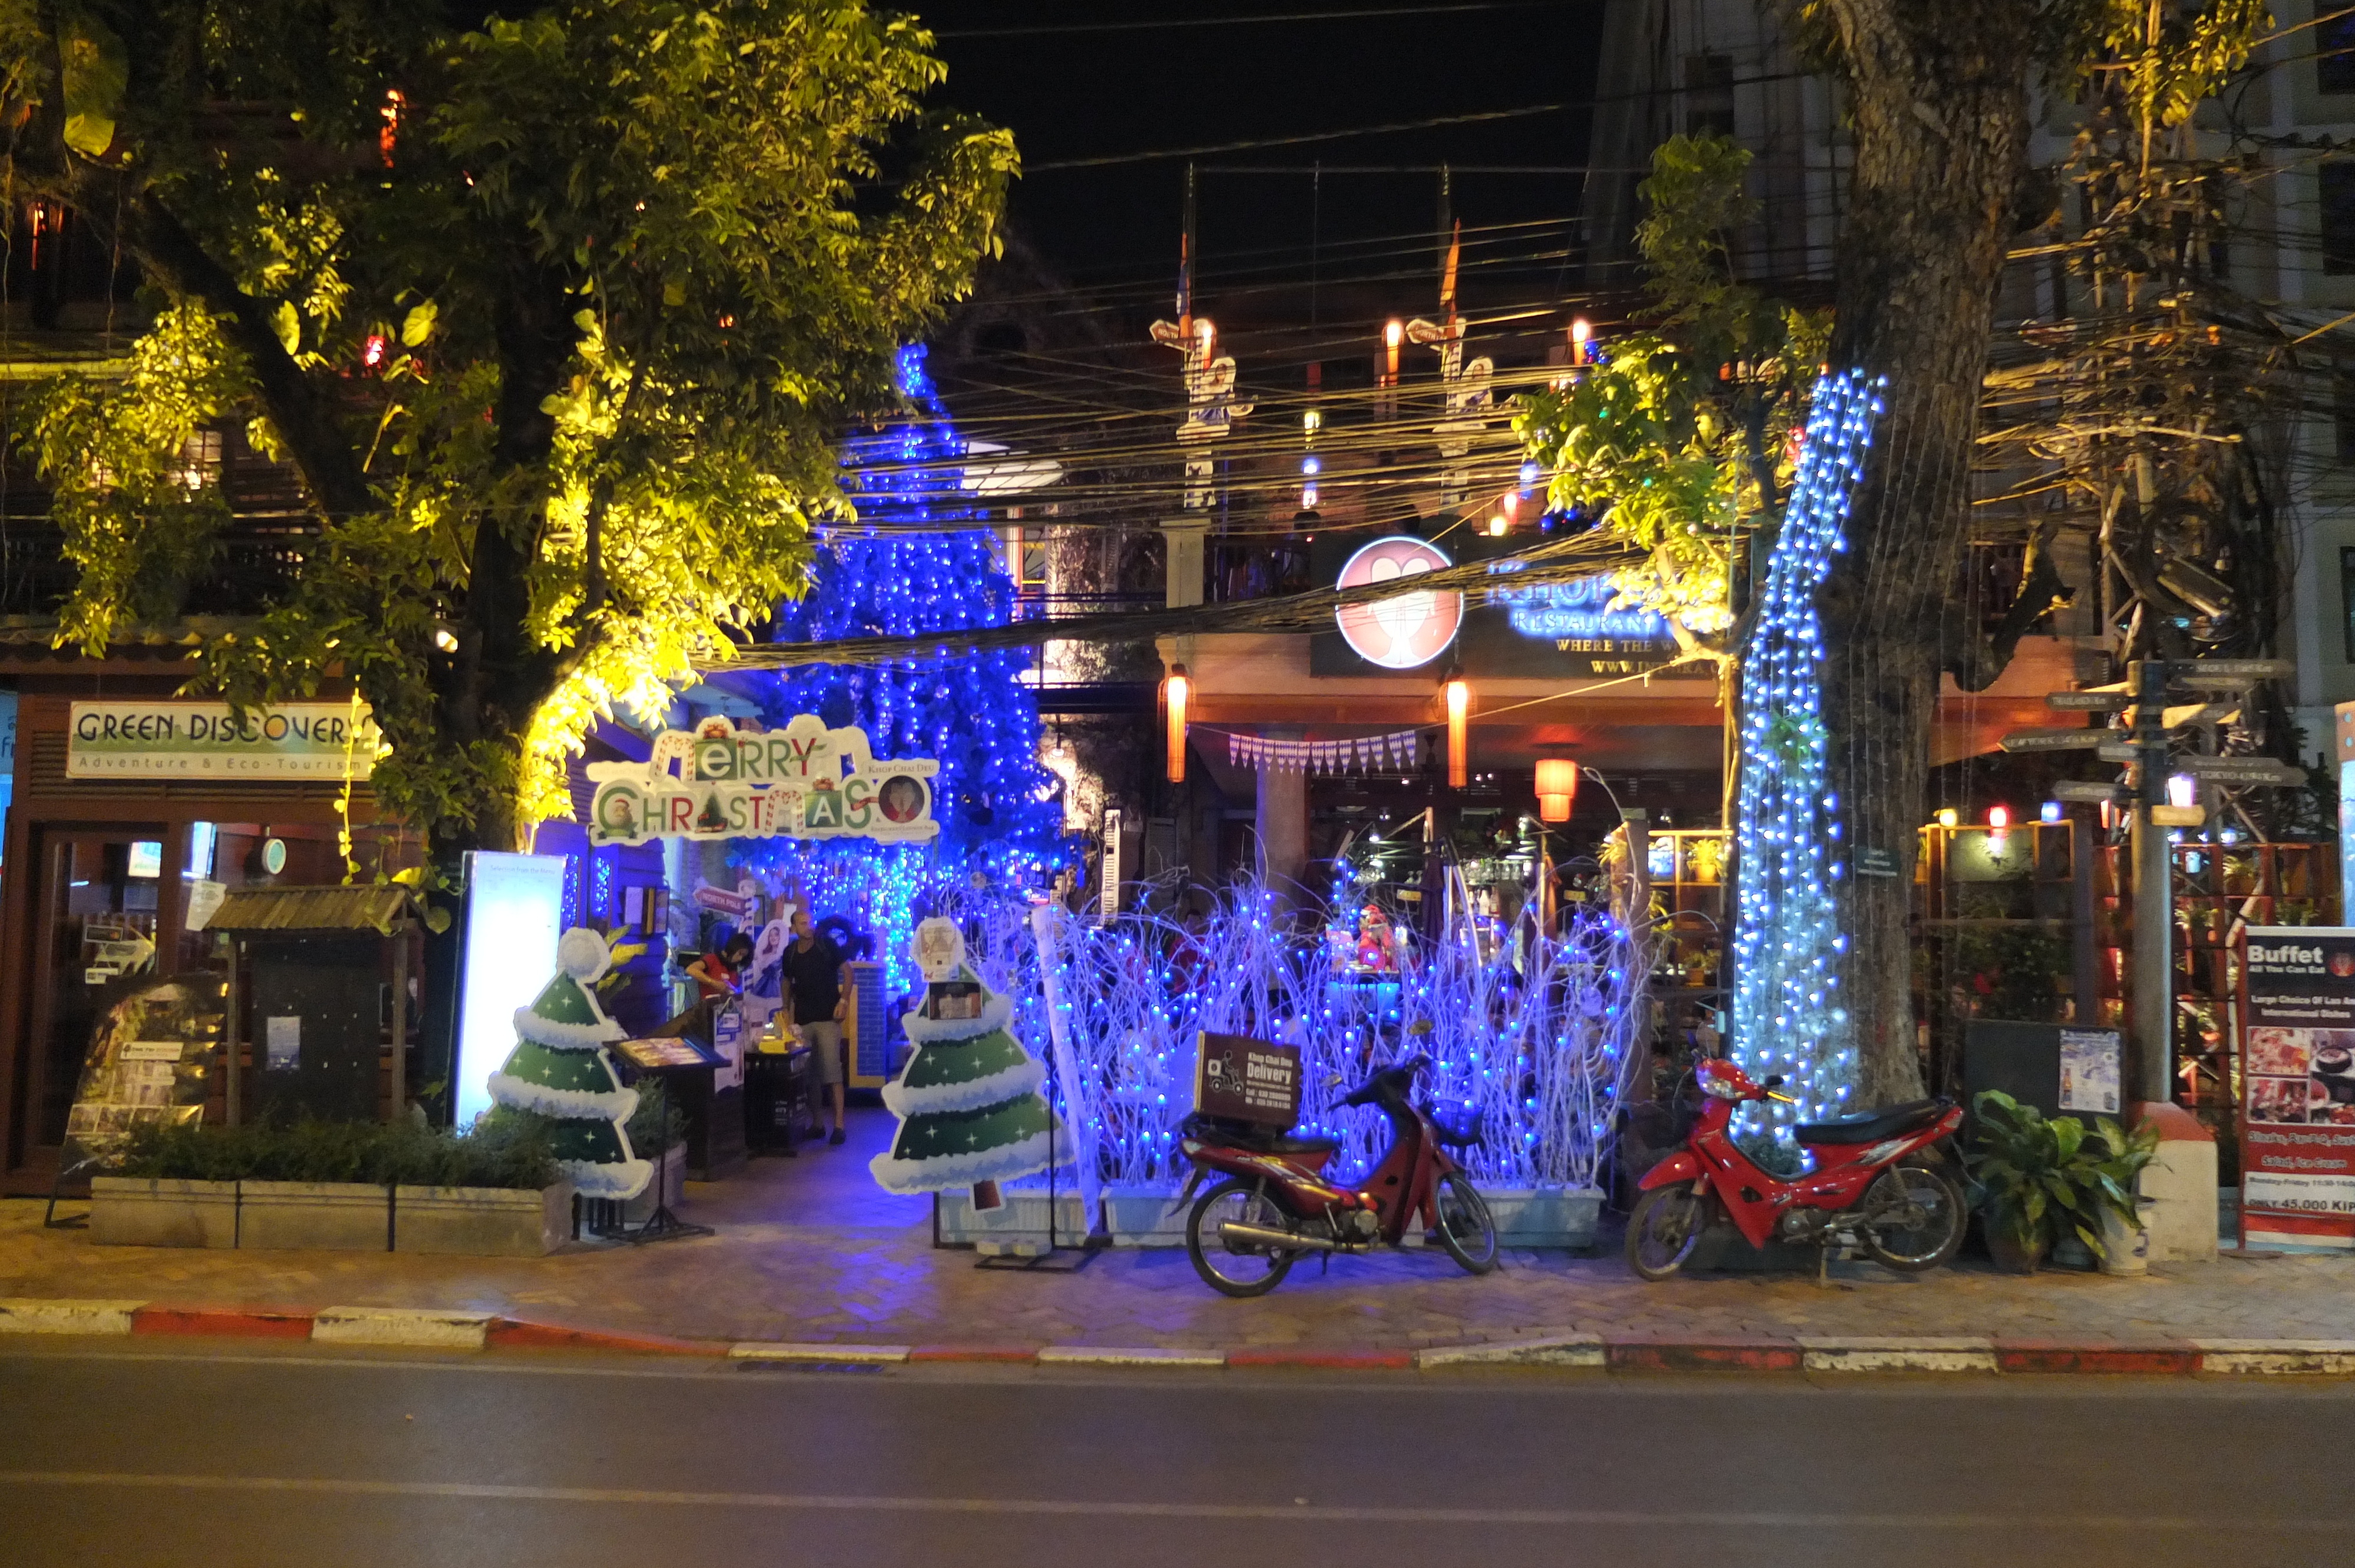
x=971 y=1114
x=560 y=1070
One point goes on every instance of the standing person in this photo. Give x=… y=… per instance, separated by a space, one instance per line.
x=816 y=975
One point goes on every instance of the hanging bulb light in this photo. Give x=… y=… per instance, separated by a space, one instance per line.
x=1557 y=782
x=1174 y=689
x=1459 y=710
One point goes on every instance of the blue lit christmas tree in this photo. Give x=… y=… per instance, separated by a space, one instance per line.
x=917 y=560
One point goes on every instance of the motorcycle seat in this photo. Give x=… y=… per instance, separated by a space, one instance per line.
x=1259 y=1141
x=1288 y=1143
x=1872 y=1126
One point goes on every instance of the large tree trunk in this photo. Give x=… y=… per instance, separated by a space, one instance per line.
x=1939 y=95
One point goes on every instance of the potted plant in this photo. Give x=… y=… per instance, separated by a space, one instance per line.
x=2037 y=1175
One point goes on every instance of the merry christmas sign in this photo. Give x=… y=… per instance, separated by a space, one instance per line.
x=803 y=781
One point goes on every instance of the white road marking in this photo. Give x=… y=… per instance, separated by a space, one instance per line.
x=2119 y=1524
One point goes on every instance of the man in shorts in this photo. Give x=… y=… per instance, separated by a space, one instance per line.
x=815 y=976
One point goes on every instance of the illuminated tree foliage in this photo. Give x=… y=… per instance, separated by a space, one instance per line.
x=1679 y=442
x=554 y=318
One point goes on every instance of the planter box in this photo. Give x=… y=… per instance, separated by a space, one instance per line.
x=1545 y=1216
x=669 y=1181
x=486 y=1222
x=124 y=1213
x=340 y=1216
x=1145 y=1216
x=1020 y=1223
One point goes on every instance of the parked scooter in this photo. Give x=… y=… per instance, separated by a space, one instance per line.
x=1873 y=1184
x=1275 y=1206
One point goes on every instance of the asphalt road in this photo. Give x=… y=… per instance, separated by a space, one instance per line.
x=124 y=1456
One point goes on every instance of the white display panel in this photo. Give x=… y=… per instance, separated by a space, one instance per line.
x=514 y=912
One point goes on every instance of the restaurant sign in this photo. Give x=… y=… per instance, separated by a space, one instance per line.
x=716 y=781
x=205 y=740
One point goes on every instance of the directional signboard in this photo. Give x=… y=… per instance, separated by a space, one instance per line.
x=2054 y=739
x=2087 y=793
x=2200 y=672
x=2237 y=769
x=2089 y=702
x=2119 y=751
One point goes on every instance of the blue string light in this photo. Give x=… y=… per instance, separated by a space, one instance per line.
x=915 y=561
x=1787 y=944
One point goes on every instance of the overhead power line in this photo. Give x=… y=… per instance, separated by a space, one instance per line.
x=1171 y=22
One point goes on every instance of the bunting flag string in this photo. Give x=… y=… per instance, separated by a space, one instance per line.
x=1399 y=749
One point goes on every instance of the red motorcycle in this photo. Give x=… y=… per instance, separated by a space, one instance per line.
x=1276 y=1205
x=1872 y=1185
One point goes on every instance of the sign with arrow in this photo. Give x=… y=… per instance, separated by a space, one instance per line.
x=2238 y=770
x=2203 y=671
x=2085 y=792
x=2054 y=739
x=2089 y=702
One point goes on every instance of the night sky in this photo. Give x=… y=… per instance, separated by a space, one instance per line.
x=1069 y=93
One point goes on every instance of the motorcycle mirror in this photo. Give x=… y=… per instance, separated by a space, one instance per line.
x=1774 y=1081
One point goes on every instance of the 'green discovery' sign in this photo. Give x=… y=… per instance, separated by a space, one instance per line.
x=202 y=740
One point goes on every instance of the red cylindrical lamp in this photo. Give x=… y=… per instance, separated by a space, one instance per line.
x=1174 y=689
x=1459 y=750
x=1557 y=789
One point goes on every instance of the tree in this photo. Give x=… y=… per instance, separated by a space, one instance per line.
x=1938 y=98
x=554 y=318
x=918 y=563
x=561 y=1072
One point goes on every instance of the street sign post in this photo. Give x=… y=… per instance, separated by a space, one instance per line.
x=2054 y=739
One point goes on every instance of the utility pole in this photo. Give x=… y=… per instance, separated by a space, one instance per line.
x=2154 y=890
x=1211 y=407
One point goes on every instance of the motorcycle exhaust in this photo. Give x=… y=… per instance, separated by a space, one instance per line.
x=1267 y=1236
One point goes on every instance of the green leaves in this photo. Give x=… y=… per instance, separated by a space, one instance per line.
x=95 y=71
x=642 y=260
x=2037 y=1174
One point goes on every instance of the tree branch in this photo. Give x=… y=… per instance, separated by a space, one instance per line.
x=320 y=450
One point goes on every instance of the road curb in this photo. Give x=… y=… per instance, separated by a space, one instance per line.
x=424 y=1328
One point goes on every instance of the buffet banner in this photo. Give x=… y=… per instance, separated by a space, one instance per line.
x=2297 y=1076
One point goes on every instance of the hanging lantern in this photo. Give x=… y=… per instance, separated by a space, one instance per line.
x=1459 y=708
x=1174 y=689
x=1557 y=789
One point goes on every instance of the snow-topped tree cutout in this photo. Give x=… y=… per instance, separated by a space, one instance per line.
x=968 y=1102
x=559 y=1069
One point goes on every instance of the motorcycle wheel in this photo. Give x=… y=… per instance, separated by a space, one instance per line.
x=1665 y=1228
x=1939 y=1218
x=1466 y=1227
x=1226 y=1269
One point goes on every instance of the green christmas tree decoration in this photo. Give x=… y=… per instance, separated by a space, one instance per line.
x=559 y=1069
x=970 y=1111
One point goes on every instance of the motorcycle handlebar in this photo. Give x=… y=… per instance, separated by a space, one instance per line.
x=1365 y=1092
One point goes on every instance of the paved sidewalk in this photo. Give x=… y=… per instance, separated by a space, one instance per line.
x=808 y=1250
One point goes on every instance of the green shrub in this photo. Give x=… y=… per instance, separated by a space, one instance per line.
x=504 y=1148
x=2038 y=1175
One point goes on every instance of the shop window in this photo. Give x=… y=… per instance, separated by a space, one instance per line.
x=2334 y=52
x=200 y=459
x=2337 y=192
x=1709 y=85
x=2347 y=599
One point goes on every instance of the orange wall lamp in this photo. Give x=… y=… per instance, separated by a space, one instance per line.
x=1174 y=692
x=1557 y=789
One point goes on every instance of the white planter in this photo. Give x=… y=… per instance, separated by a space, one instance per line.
x=125 y=1212
x=1145 y=1216
x=341 y=1216
x=1020 y=1223
x=1544 y=1216
x=485 y=1221
x=2127 y=1246
x=669 y=1181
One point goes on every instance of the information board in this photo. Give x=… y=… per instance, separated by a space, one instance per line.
x=2297 y=1075
x=1242 y=1079
x=150 y=1061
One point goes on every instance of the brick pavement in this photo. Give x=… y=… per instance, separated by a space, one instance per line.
x=809 y=1251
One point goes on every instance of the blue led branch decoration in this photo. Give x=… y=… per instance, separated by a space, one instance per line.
x=1790 y=865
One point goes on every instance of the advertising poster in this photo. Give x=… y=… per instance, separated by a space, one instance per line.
x=2297 y=1076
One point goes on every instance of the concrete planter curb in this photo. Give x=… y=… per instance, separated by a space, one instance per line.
x=336 y=1216
x=1145 y=1216
x=126 y=1212
x=483 y=1221
x=1571 y=1350
x=1020 y=1223
x=1544 y=1218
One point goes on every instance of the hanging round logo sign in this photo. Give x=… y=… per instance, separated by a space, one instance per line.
x=1409 y=628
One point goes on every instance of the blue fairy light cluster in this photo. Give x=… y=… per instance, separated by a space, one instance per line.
x=916 y=559
x=1532 y=1040
x=1787 y=944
